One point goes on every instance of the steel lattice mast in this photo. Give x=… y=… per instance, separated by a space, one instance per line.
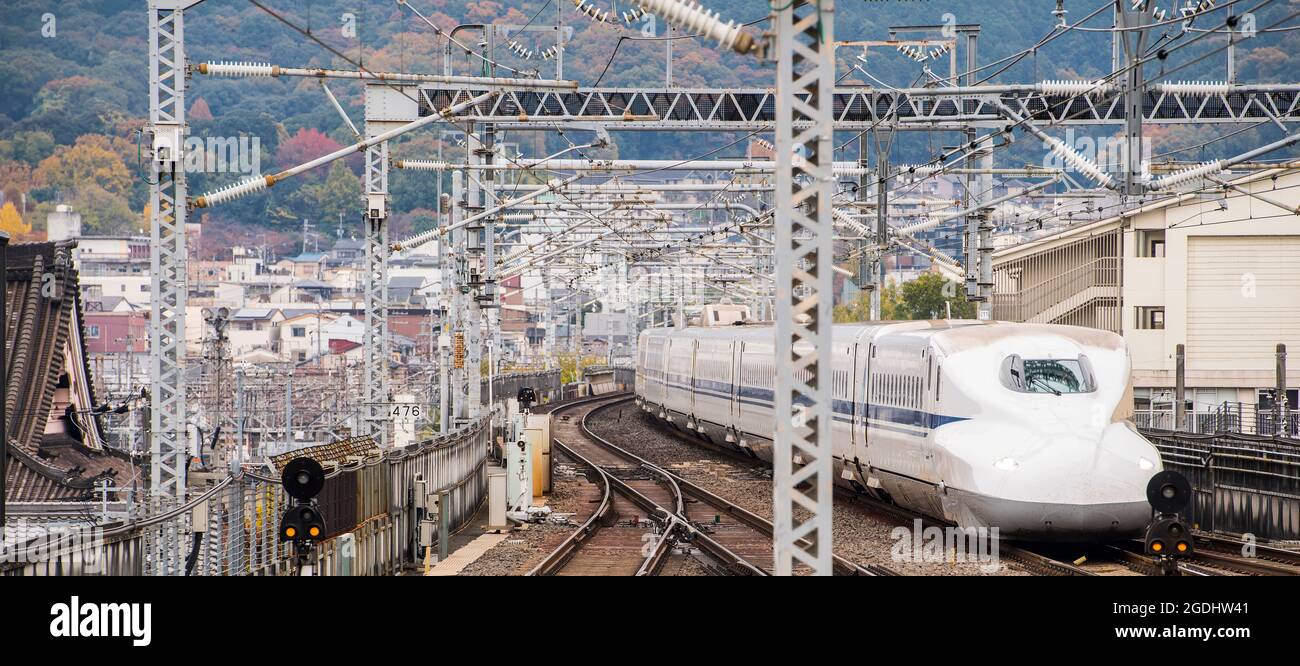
x=805 y=51
x=167 y=260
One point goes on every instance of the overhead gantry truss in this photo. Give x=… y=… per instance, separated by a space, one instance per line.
x=854 y=108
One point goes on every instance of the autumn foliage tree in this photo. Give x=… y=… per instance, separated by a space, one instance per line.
x=308 y=144
x=91 y=161
x=11 y=221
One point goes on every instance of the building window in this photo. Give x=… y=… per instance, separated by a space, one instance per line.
x=92 y=331
x=1151 y=243
x=299 y=331
x=1150 y=317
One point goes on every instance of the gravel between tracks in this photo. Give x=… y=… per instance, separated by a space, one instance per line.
x=524 y=548
x=859 y=533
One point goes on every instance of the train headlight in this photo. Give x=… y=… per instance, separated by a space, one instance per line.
x=1007 y=464
x=1145 y=464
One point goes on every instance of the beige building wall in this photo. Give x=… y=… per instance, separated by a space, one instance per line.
x=1228 y=284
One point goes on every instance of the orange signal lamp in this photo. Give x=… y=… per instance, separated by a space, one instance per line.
x=290 y=532
x=315 y=531
x=1182 y=546
x=1157 y=546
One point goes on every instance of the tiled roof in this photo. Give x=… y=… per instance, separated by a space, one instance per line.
x=45 y=353
x=335 y=453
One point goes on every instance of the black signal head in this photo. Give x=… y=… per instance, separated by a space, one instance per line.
x=1169 y=492
x=303 y=478
x=1168 y=537
x=302 y=522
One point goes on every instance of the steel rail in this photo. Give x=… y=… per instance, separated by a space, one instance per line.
x=556 y=560
x=759 y=524
x=676 y=519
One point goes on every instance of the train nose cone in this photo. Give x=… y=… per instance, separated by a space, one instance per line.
x=1065 y=486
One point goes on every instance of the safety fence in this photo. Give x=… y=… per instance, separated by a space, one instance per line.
x=547 y=385
x=1240 y=418
x=1242 y=484
x=232 y=527
x=607 y=378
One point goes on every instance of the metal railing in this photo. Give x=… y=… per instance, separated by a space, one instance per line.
x=1029 y=288
x=232 y=528
x=1226 y=418
x=1242 y=484
x=1036 y=301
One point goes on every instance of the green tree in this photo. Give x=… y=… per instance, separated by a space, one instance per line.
x=32 y=147
x=859 y=310
x=103 y=212
x=924 y=298
x=340 y=192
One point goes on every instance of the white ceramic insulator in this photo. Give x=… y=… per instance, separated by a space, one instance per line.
x=917 y=169
x=425 y=165
x=1073 y=87
x=591 y=11
x=694 y=18
x=850 y=223
x=1189 y=174
x=1195 y=88
x=1080 y=163
x=232 y=192
x=239 y=69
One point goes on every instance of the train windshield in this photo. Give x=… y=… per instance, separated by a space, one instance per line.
x=1056 y=376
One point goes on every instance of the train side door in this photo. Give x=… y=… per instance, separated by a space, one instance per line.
x=690 y=396
x=868 y=352
x=737 y=348
x=860 y=402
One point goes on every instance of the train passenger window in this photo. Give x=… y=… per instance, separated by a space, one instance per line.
x=1056 y=376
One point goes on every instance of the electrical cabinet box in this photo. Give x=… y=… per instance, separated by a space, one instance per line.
x=167 y=143
x=376 y=206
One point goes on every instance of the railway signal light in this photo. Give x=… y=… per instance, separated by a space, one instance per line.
x=303 y=478
x=302 y=523
x=1169 y=492
x=526 y=397
x=1168 y=538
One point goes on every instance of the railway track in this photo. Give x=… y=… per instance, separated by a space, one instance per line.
x=736 y=540
x=1220 y=551
x=613 y=539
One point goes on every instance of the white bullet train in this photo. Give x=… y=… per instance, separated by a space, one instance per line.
x=1023 y=427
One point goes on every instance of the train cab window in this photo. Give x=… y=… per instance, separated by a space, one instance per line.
x=1058 y=376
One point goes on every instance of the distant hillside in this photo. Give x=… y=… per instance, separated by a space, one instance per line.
x=73 y=88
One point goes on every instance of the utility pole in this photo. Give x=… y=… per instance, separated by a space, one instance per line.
x=882 y=227
x=1133 y=40
x=1280 y=402
x=456 y=241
